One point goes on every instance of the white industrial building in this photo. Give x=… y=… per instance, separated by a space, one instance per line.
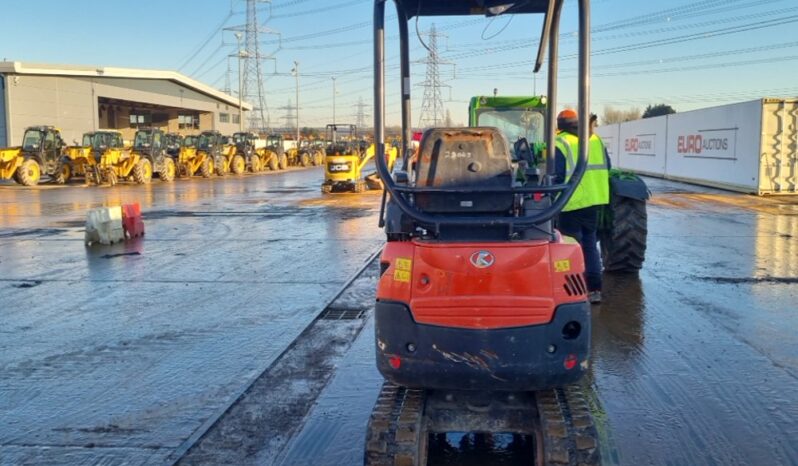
x=77 y=99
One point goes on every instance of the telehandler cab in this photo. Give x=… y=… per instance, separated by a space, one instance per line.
x=83 y=160
x=228 y=160
x=195 y=156
x=246 y=146
x=174 y=142
x=315 y=151
x=150 y=151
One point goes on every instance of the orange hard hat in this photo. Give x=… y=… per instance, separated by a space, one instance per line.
x=568 y=120
x=568 y=114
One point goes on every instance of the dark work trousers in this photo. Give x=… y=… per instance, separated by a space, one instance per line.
x=582 y=225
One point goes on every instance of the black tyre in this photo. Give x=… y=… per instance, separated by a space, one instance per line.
x=63 y=173
x=29 y=173
x=274 y=164
x=182 y=170
x=219 y=166
x=304 y=159
x=623 y=240
x=255 y=164
x=169 y=170
x=111 y=178
x=238 y=165
x=360 y=186
x=283 y=162
x=326 y=188
x=205 y=168
x=142 y=172
x=94 y=176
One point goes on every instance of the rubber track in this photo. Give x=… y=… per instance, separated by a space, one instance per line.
x=394 y=431
x=624 y=247
x=568 y=433
x=395 y=436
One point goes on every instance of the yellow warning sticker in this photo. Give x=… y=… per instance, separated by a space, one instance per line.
x=401 y=276
x=562 y=266
x=404 y=264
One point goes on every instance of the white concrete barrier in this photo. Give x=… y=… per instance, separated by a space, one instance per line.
x=104 y=225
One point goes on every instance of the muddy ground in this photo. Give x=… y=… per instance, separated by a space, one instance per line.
x=159 y=350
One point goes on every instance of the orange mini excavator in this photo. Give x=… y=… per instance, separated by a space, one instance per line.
x=482 y=321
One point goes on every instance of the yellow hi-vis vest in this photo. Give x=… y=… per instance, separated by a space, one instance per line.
x=594 y=189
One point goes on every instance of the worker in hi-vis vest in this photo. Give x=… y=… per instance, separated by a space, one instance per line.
x=579 y=219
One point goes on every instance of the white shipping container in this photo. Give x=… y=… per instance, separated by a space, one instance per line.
x=750 y=147
x=778 y=162
x=642 y=145
x=609 y=134
x=716 y=146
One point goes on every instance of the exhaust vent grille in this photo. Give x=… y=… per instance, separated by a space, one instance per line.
x=575 y=285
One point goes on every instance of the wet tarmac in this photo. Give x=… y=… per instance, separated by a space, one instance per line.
x=695 y=362
x=120 y=354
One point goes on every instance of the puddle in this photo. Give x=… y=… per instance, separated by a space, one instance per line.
x=121 y=254
x=27 y=284
x=31 y=232
x=750 y=280
x=475 y=448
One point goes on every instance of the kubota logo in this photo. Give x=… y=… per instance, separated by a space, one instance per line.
x=482 y=259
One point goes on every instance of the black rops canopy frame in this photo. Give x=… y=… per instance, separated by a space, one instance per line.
x=407 y=9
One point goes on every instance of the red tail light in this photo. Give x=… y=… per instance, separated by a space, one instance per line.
x=570 y=362
x=395 y=362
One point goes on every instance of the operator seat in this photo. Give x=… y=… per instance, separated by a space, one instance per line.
x=467 y=160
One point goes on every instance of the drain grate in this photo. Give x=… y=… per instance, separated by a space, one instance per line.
x=342 y=314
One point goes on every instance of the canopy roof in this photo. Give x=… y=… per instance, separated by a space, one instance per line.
x=472 y=7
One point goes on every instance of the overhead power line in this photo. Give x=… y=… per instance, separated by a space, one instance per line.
x=204 y=43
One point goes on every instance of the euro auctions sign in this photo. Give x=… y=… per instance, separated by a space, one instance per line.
x=708 y=143
x=641 y=144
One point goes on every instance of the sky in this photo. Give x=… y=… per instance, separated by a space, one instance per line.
x=686 y=53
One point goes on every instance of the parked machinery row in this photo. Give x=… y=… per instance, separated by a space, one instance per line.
x=103 y=158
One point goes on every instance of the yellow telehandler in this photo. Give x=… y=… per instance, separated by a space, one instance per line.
x=226 y=159
x=82 y=160
x=196 y=155
x=40 y=153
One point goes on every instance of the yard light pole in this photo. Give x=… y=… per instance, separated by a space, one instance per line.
x=334 y=92
x=240 y=85
x=335 y=129
x=296 y=73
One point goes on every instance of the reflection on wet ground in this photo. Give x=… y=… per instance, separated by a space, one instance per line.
x=116 y=354
x=695 y=360
x=470 y=448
